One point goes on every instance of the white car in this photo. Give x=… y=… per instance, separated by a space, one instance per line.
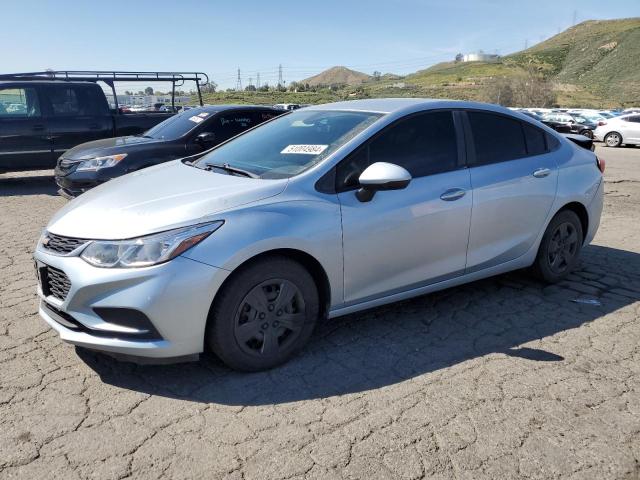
x=619 y=130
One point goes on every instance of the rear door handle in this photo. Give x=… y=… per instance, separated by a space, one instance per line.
x=94 y=126
x=38 y=127
x=452 y=194
x=541 y=173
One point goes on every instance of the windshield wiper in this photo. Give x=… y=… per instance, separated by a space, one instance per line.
x=229 y=168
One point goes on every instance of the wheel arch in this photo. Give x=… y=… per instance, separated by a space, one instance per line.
x=581 y=211
x=309 y=262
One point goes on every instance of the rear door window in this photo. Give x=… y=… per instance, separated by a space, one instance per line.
x=496 y=138
x=19 y=102
x=68 y=100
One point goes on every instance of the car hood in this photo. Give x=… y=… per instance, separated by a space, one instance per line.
x=107 y=146
x=158 y=198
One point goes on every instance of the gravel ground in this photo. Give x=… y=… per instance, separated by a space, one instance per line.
x=503 y=378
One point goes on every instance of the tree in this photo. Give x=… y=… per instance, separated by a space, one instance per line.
x=209 y=87
x=148 y=91
x=127 y=92
x=528 y=88
x=459 y=57
x=377 y=75
x=264 y=87
x=250 y=88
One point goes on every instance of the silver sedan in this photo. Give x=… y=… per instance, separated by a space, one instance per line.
x=322 y=212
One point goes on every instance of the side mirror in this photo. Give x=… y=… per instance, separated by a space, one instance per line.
x=381 y=176
x=205 y=139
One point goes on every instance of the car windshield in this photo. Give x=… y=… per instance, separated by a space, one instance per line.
x=178 y=125
x=290 y=144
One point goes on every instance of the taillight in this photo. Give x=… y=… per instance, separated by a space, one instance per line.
x=601 y=123
x=601 y=164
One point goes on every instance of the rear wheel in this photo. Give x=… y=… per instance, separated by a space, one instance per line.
x=263 y=315
x=559 y=248
x=613 y=139
x=587 y=133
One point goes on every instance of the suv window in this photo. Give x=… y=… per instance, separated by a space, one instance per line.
x=635 y=118
x=424 y=144
x=69 y=100
x=496 y=138
x=19 y=102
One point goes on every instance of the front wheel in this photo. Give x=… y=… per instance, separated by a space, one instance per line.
x=559 y=248
x=263 y=315
x=613 y=139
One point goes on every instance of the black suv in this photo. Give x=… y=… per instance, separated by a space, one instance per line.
x=188 y=133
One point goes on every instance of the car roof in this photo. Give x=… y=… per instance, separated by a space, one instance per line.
x=393 y=105
x=227 y=107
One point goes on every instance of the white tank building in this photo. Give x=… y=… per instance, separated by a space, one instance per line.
x=480 y=56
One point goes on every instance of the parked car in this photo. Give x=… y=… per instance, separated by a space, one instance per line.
x=321 y=212
x=559 y=121
x=188 y=133
x=40 y=119
x=552 y=120
x=619 y=130
x=584 y=125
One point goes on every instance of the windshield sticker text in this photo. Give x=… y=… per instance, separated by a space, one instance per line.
x=305 y=149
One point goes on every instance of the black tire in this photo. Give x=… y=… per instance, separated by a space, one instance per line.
x=251 y=326
x=613 y=139
x=560 y=247
x=587 y=133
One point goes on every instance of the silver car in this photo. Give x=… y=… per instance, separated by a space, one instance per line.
x=325 y=211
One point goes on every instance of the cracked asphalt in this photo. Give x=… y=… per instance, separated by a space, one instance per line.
x=502 y=378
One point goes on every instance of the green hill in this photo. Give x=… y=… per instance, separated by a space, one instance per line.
x=594 y=63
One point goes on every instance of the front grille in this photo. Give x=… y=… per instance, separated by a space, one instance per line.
x=60 y=244
x=55 y=282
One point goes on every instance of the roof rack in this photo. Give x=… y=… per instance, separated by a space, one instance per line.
x=109 y=77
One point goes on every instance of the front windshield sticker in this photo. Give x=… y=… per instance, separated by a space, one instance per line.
x=203 y=114
x=305 y=149
x=196 y=119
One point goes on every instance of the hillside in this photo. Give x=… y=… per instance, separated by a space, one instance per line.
x=594 y=63
x=337 y=76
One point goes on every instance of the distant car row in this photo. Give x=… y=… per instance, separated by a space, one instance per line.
x=614 y=127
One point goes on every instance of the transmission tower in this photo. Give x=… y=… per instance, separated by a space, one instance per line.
x=239 y=82
x=250 y=81
x=280 y=82
x=258 y=80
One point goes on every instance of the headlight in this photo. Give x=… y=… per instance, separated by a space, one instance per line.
x=148 y=250
x=100 y=162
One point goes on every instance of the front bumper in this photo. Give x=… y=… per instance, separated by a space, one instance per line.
x=73 y=183
x=175 y=297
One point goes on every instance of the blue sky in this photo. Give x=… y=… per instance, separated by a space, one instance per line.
x=399 y=36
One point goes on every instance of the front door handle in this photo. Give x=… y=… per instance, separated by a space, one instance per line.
x=541 y=173
x=38 y=128
x=452 y=194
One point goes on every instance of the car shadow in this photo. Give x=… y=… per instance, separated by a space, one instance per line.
x=29 y=184
x=396 y=342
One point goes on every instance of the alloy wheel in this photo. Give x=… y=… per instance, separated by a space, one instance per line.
x=613 y=140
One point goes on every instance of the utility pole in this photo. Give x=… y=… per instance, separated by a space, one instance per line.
x=239 y=82
x=258 y=81
x=280 y=82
